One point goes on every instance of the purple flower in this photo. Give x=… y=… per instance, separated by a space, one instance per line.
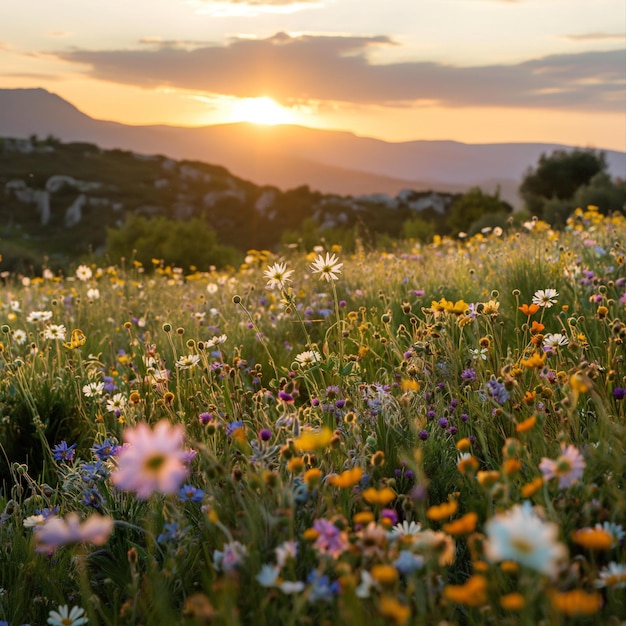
x=443 y=422
x=468 y=375
x=619 y=393
x=63 y=452
x=189 y=493
x=330 y=539
x=205 y=418
x=423 y=435
x=265 y=434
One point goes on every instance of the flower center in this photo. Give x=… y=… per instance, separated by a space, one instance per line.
x=522 y=545
x=154 y=463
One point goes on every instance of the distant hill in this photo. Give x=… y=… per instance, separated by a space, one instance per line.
x=291 y=156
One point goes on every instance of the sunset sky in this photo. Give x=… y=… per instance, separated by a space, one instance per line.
x=470 y=70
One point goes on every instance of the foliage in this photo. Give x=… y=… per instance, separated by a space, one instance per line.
x=559 y=176
x=184 y=244
x=472 y=206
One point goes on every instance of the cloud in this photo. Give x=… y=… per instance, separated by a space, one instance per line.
x=596 y=36
x=252 y=7
x=337 y=68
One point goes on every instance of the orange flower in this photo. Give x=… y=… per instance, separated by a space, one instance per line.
x=363 y=518
x=391 y=608
x=442 y=511
x=472 y=593
x=375 y=496
x=462 y=526
x=512 y=601
x=529 y=309
x=463 y=445
x=577 y=602
x=532 y=487
x=510 y=466
x=467 y=463
x=488 y=479
x=384 y=574
x=593 y=538
x=536 y=327
x=312 y=476
x=347 y=479
x=526 y=425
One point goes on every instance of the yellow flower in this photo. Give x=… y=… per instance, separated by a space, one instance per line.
x=463 y=445
x=295 y=465
x=442 y=511
x=312 y=476
x=577 y=602
x=347 y=479
x=472 y=593
x=511 y=466
x=77 y=339
x=409 y=384
x=382 y=497
x=579 y=383
x=462 y=526
x=538 y=360
x=311 y=440
x=488 y=479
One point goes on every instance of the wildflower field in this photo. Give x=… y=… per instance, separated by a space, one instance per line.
x=431 y=436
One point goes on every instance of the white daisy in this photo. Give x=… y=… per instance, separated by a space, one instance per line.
x=55 y=331
x=545 y=297
x=187 y=362
x=328 y=267
x=83 y=272
x=66 y=617
x=278 y=275
x=19 y=336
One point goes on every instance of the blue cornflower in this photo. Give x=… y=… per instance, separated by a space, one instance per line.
x=321 y=587
x=63 y=452
x=46 y=512
x=109 y=384
x=92 y=497
x=189 y=493
x=407 y=562
x=233 y=426
x=91 y=472
x=104 y=450
x=170 y=532
x=497 y=391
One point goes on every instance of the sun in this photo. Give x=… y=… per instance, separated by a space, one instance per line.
x=262 y=110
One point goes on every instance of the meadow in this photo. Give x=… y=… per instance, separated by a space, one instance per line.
x=431 y=435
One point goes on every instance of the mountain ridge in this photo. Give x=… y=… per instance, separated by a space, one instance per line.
x=289 y=156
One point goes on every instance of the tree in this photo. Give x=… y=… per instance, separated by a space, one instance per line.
x=559 y=176
x=176 y=242
x=473 y=206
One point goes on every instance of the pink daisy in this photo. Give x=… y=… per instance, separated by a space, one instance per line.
x=568 y=468
x=152 y=460
x=56 y=531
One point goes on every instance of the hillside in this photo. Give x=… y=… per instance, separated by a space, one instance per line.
x=290 y=156
x=58 y=199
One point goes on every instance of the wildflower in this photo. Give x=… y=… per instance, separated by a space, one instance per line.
x=613 y=576
x=83 y=272
x=576 y=602
x=19 y=337
x=488 y=479
x=467 y=463
x=312 y=440
x=328 y=267
x=104 y=450
x=392 y=608
x=56 y=531
x=472 y=593
x=93 y=389
x=230 y=557
x=321 y=587
x=532 y=487
x=497 y=391
x=529 y=310
x=116 y=403
x=63 y=616
x=526 y=425
x=216 y=341
x=381 y=497
x=63 y=452
x=93 y=293
x=268 y=575
x=347 y=479
x=330 y=540
x=555 y=340
x=593 y=538
x=189 y=493
x=407 y=562
x=278 y=275
x=308 y=358
x=39 y=316
x=537 y=359
x=442 y=511
x=383 y=574
x=479 y=354
x=568 y=468
x=187 y=362
x=286 y=551
x=55 y=331
x=366 y=585
x=520 y=535
x=462 y=526
x=405 y=529
x=153 y=461
x=615 y=530
x=545 y=297
x=512 y=601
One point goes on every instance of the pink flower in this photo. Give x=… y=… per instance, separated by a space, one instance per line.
x=56 y=531
x=568 y=468
x=152 y=460
x=330 y=539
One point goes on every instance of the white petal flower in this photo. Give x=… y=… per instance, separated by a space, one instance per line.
x=328 y=267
